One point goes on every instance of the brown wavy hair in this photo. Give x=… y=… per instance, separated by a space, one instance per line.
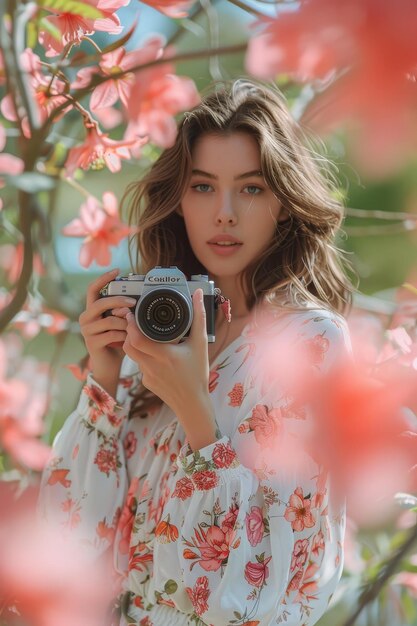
x=302 y=265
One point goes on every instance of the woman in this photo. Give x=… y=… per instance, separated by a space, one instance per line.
x=184 y=478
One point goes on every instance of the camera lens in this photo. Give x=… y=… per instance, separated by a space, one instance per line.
x=164 y=314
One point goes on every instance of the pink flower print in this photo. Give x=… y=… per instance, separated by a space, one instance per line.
x=214 y=546
x=223 y=455
x=205 y=480
x=103 y=401
x=107 y=459
x=229 y=519
x=298 y=511
x=299 y=554
x=129 y=444
x=308 y=585
x=213 y=376
x=318 y=544
x=257 y=573
x=199 y=595
x=266 y=425
x=254 y=525
x=236 y=395
x=316 y=349
x=183 y=489
x=244 y=427
x=125 y=523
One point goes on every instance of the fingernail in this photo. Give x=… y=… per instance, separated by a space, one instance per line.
x=129 y=316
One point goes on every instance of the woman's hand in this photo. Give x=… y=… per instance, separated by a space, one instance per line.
x=104 y=336
x=174 y=372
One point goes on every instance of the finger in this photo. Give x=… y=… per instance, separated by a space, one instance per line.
x=139 y=340
x=93 y=290
x=106 y=304
x=141 y=358
x=105 y=339
x=103 y=325
x=121 y=312
x=198 y=331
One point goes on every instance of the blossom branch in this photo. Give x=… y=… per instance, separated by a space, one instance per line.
x=100 y=80
x=27 y=210
x=372 y=590
x=21 y=17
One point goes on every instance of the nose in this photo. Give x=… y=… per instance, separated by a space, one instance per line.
x=225 y=213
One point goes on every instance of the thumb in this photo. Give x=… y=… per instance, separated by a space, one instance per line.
x=199 y=326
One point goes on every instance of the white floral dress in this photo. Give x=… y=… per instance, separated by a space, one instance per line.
x=217 y=536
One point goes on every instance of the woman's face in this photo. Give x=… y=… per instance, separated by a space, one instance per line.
x=227 y=196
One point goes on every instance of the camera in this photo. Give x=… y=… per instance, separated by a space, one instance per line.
x=164 y=308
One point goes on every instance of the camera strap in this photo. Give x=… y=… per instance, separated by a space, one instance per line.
x=223 y=303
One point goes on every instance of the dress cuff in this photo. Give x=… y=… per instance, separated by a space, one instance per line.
x=100 y=409
x=207 y=466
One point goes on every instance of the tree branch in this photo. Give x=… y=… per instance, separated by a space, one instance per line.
x=372 y=590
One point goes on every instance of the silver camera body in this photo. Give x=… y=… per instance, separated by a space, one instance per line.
x=164 y=308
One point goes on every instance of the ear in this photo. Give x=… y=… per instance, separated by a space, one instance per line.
x=178 y=210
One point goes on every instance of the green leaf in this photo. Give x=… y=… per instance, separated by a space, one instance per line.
x=31 y=182
x=72 y=6
x=50 y=28
x=1 y=464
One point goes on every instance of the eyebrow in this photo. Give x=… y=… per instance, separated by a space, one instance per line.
x=245 y=175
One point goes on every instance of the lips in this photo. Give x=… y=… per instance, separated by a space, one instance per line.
x=225 y=241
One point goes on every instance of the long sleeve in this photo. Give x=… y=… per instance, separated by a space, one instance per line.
x=256 y=540
x=84 y=484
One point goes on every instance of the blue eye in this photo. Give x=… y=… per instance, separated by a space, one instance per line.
x=253 y=190
x=200 y=186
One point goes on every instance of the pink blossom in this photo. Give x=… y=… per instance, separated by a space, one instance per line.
x=255 y=525
x=101 y=227
x=172 y=8
x=22 y=406
x=73 y=27
x=111 y=91
x=376 y=93
x=157 y=95
x=98 y=151
x=11 y=260
x=45 y=93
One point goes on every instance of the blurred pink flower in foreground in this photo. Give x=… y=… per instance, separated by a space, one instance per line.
x=22 y=406
x=102 y=228
x=376 y=92
x=156 y=96
x=98 y=151
x=73 y=27
x=11 y=260
x=172 y=8
x=47 y=578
